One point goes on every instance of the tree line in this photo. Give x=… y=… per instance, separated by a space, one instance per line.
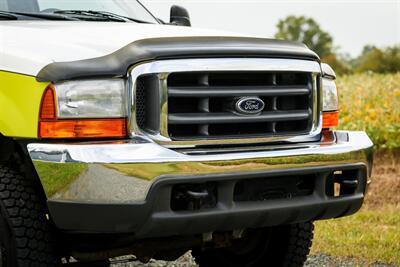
x=308 y=31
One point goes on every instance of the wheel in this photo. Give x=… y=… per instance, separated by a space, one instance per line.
x=25 y=235
x=286 y=245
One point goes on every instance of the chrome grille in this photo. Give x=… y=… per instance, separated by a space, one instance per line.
x=202 y=105
x=191 y=101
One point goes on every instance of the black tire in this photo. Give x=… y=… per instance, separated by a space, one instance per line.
x=25 y=232
x=286 y=246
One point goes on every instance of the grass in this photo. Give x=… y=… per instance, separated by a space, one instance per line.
x=371 y=102
x=369 y=235
x=55 y=177
x=373 y=234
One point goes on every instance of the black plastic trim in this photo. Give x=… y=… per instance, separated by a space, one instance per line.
x=220 y=91
x=154 y=217
x=118 y=63
x=226 y=117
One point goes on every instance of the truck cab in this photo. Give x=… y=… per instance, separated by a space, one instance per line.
x=121 y=134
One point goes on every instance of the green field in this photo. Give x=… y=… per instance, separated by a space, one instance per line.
x=370 y=102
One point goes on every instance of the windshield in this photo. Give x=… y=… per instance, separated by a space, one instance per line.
x=127 y=8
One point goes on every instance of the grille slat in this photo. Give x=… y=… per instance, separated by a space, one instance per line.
x=226 y=118
x=224 y=91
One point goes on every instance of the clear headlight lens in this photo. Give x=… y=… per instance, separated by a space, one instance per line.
x=106 y=98
x=330 y=95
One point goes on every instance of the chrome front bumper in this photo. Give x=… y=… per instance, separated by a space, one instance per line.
x=124 y=171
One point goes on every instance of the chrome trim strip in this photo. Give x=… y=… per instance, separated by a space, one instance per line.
x=125 y=170
x=164 y=105
x=164 y=67
x=317 y=102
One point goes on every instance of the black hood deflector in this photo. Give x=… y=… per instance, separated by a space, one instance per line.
x=118 y=63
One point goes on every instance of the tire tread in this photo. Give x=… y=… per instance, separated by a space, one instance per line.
x=300 y=241
x=26 y=218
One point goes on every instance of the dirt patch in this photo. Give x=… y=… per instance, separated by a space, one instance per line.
x=385 y=186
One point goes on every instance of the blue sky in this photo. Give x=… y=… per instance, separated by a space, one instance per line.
x=352 y=23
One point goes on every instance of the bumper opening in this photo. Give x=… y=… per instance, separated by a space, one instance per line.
x=263 y=189
x=342 y=183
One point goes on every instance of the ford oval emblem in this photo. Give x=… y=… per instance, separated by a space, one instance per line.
x=250 y=105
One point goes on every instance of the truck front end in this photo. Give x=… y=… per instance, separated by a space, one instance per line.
x=222 y=145
x=201 y=145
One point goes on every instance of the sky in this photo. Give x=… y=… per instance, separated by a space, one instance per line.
x=352 y=23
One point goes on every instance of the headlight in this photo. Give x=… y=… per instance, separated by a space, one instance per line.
x=84 y=109
x=330 y=97
x=91 y=99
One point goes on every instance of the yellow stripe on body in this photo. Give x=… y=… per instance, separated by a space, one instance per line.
x=20 y=97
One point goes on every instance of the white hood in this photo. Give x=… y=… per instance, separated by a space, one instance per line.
x=27 y=46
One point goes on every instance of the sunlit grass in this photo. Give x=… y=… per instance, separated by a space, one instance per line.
x=371 y=235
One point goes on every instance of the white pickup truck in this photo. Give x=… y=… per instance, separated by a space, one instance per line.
x=121 y=134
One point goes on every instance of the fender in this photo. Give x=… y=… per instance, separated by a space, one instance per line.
x=20 y=97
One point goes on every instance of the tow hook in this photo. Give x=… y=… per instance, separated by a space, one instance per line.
x=347 y=181
x=192 y=197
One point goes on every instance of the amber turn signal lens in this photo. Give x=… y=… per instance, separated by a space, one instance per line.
x=48 y=107
x=52 y=127
x=96 y=128
x=330 y=119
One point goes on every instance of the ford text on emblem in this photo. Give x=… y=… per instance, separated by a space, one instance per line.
x=250 y=105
